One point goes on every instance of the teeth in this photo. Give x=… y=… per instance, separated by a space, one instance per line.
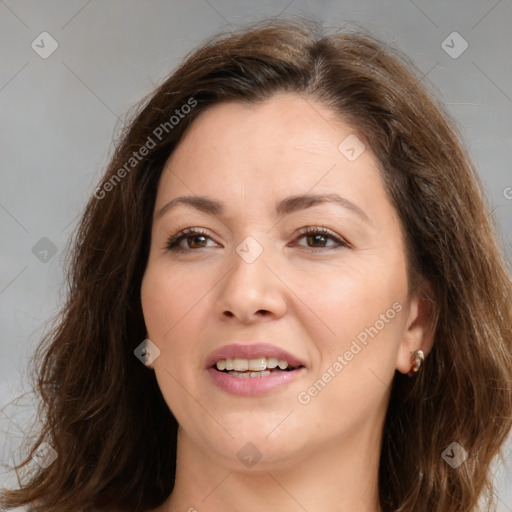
x=254 y=365
x=247 y=375
x=257 y=365
x=240 y=365
x=271 y=362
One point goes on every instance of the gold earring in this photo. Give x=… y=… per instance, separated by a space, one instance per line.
x=417 y=360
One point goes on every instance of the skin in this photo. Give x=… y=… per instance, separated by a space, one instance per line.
x=304 y=294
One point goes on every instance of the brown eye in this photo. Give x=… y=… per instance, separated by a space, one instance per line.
x=194 y=239
x=321 y=238
x=195 y=242
x=317 y=240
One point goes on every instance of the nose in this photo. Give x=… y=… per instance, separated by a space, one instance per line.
x=251 y=291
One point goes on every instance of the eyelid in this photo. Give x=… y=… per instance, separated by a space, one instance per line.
x=340 y=242
x=172 y=241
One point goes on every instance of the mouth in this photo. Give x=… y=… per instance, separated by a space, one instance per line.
x=254 y=369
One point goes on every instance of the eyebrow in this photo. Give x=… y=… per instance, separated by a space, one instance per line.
x=284 y=207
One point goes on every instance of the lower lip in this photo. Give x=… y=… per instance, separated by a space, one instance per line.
x=252 y=386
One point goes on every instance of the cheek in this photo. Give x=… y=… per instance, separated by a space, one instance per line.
x=168 y=296
x=357 y=363
x=364 y=310
x=350 y=299
x=170 y=300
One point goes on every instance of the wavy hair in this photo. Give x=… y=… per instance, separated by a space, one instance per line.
x=103 y=411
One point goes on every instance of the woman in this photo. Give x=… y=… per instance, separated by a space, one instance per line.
x=292 y=240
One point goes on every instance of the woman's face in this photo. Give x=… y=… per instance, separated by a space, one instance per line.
x=254 y=288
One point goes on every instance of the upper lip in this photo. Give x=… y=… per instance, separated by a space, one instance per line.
x=251 y=351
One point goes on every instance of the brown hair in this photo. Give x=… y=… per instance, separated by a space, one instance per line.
x=103 y=411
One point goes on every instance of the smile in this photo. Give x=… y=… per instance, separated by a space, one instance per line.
x=264 y=369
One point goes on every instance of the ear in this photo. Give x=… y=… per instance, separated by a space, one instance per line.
x=420 y=326
x=148 y=347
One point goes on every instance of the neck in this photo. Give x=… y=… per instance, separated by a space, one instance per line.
x=341 y=477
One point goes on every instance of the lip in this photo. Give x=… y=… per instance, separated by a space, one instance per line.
x=252 y=386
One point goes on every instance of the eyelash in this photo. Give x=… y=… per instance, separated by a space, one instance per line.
x=172 y=244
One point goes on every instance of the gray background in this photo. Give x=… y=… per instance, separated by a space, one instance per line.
x=61 y=114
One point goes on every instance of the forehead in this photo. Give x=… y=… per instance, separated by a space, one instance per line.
x=285 y=125
x=252 y=153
